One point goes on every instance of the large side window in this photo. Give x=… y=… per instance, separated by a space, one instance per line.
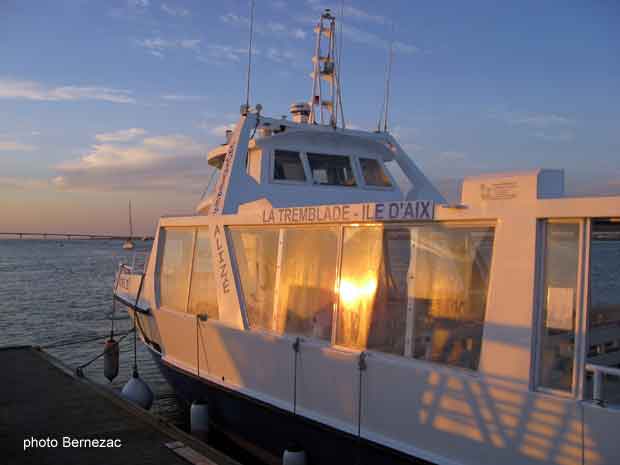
x=174 y=267
x=603 y=343
x=415 y=291
x=307 y=280
x=288 y=277
x=331 y=170
x=256 y=251
x=559 y=289
x=203 y=293
x=287 y=166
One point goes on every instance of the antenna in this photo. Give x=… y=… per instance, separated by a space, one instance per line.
x=388 y=78
x=325 y=99
x=339 y=64
x=247 y=89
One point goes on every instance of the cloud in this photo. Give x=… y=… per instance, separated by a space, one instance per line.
x=139 y=4
x=31 y=90
x=174 y=11
x=124 y=135
x=165 y=162
x=533 y=120
x=270 y=28
x=219 y=54
x=221 y=130
x=357 y=35
x=349 y=12
x=23 y=183
x=279 y=56
x=541 y=120
x=183 y=98
x=452 y=156
x=157 y=45
x=131 y=9
x=548 y=127
x=407 y=137
x=561 y=136
x=14 y=146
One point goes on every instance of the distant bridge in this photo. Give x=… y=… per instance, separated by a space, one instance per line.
x=70 y=236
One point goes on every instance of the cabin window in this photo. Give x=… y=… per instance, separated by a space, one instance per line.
x=308 y=264
x=254 y=164
x=603 y=343
x=288 y=166
x=174 y=267
x=415 y=291
x=373 y=173
x=203 y=292
x=560 y=268
x=256 y=252
x=331 y=170
x=400 y=178
x=288 y=277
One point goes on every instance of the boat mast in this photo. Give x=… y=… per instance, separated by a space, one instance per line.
x=130 y=223
x=325 y=100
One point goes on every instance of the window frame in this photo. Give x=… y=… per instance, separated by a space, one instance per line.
x=356 y=170
x=386 y=172
x=197 y=230
x=161 y=243
x=352 y=164
x=419 y=224
x=580 y=321
x=331 y=343
x=272 y=331
x=289 y=182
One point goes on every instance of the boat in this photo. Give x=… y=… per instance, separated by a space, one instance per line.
x=128 y=244
x=325 y=294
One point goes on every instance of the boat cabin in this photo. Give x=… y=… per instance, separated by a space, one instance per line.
x=288 y=163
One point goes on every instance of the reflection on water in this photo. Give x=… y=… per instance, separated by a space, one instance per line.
x=57 y=292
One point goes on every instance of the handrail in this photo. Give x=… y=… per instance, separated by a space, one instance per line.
x=603 y=369
x=597 y=388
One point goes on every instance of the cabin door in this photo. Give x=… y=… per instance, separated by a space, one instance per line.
x=601 y=382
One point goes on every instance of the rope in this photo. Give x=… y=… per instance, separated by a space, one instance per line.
x=197 y=348
x=64 y=342
x=296 y=349
x=362 y=368
x=135 y=343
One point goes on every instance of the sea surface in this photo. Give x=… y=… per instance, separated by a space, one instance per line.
x=58 y=295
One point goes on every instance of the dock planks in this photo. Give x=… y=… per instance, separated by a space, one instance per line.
x=40 y=398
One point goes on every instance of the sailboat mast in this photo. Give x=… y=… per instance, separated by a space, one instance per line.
x=130 y=223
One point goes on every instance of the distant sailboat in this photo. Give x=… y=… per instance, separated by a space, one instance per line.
x=128 y=244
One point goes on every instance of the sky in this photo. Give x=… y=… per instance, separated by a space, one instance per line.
x=106 y=102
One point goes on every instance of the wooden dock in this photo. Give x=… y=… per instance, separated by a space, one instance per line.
x=40 y=398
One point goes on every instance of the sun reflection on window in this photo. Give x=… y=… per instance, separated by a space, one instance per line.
x=354 y=294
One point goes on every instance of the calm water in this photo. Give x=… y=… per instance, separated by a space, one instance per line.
x=54 y=292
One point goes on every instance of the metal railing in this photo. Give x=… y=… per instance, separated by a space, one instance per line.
x=140 y=261
x=597 y=380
